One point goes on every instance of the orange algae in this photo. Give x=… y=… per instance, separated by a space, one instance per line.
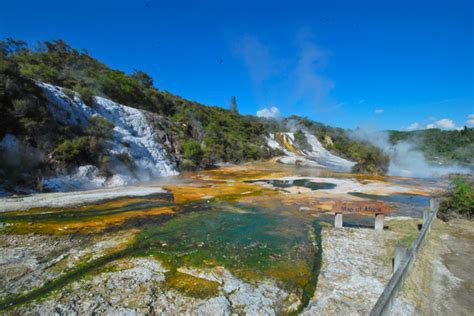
x=245 y=172
x=283 y=140
x=89 y=225
x=193 y=192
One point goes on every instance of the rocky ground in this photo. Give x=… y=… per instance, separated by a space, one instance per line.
x=356 y=266
x=29 y=261
x=70 y=199
x=138 y=286
x=442 y=281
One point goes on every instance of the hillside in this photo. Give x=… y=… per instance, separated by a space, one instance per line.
x=454 y=146
x=66 y=116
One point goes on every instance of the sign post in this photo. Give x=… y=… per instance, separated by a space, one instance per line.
x=338 y=220
x=379 y=222
x=379 y=209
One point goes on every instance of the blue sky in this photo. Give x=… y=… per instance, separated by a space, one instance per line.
x=376 y=64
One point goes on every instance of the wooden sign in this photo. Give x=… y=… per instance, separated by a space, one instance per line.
x=363 y=207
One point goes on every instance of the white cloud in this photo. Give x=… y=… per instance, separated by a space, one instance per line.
x=379 y=111
x=470 y=120
x=272 y=112
x=445 y=124
x=413 y=126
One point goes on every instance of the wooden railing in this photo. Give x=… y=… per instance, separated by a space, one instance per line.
x=404 y=262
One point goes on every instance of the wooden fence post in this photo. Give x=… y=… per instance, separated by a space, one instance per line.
x=338 y=220
x=379 y=222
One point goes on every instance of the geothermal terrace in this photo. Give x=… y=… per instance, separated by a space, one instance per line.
x=244 y=239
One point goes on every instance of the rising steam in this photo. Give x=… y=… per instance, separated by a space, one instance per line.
x=405 y=159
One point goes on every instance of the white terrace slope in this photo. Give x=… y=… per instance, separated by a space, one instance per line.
x=133 y=134
x=318 y=156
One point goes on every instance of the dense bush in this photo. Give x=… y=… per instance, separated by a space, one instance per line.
x=226 y=136
x=22 y=106
x=372 y=162
x=57 y=63
x=86 y=94
x=79 y=151
x=99 y=127
x=193 y=153
x=459 y=200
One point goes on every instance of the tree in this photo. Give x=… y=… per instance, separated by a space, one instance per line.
x=143 y=78
x=233 y=104
x=11 y=46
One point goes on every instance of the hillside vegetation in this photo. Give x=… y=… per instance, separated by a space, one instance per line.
x=369 y=158
x=455 y=146
x=459 y=200
x=223 y=135
x=206 y=134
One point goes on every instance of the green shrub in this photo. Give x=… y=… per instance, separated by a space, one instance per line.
x=105 y=166
x=373 y=162
x=251 y=152
x=186 y=165
x=459 y=201
x=213 y=153
x=69 y=93
x=100 y=127
x=79 y=151
x=192 y=151
x=87 y=95
x=143 y=78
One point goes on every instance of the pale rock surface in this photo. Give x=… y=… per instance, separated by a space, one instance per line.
x=353 y=273
x=138 y=289
x=133 y=134
x=318 y=156
x=68 y=199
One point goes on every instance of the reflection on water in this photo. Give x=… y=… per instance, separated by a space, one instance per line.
x=402 y=204
x=306 y=183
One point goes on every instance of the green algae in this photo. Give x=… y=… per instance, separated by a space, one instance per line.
x=252 y=242
x=249 y=241
x=191 y=285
